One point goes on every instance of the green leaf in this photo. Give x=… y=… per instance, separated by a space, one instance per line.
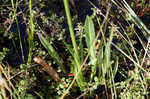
x=115 y=68
x=51 y=52
x=90 y=37
x=69 y=48
x=107 y=54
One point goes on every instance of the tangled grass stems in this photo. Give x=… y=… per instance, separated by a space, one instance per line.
x=84 y=62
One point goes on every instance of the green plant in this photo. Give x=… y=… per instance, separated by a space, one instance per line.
x=76 y=55
x=62 y=86
x=52 y=52
x=3 y=54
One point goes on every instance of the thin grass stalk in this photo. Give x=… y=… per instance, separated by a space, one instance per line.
x=136 y=20
x=145 y=88
x=81 y=48
x=128 y=37
x=100 y=64
x=68 y=47
x=133 y=49
x=38 y=94
x=112 y=74
x=77 y=58
x=146 y=52
x=136 y=64
x=18 y=28
x=71 y=28
x=140 y=24
x=107 y=62
x=30 y=34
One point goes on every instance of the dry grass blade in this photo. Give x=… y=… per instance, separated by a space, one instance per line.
x=136 y=20
x=48 y=68
x=2 y=87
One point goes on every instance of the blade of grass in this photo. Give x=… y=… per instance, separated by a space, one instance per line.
x=81 y=48
x=107 y=53
x=107 y=62
x=100 y=65
x=90 y=37
x=113 y=74
x=115 y=68
x=18 y=28
x=52 y=52
x=38 y=94
x=69 y=48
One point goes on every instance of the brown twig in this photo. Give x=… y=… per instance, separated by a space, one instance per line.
x=72 y=3
x=48 y=68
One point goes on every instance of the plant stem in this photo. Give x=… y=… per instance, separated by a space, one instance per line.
x=76 y=55
x=71 y=27
x=30 y=34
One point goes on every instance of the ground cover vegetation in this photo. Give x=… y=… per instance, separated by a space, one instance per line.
x=74 y=49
